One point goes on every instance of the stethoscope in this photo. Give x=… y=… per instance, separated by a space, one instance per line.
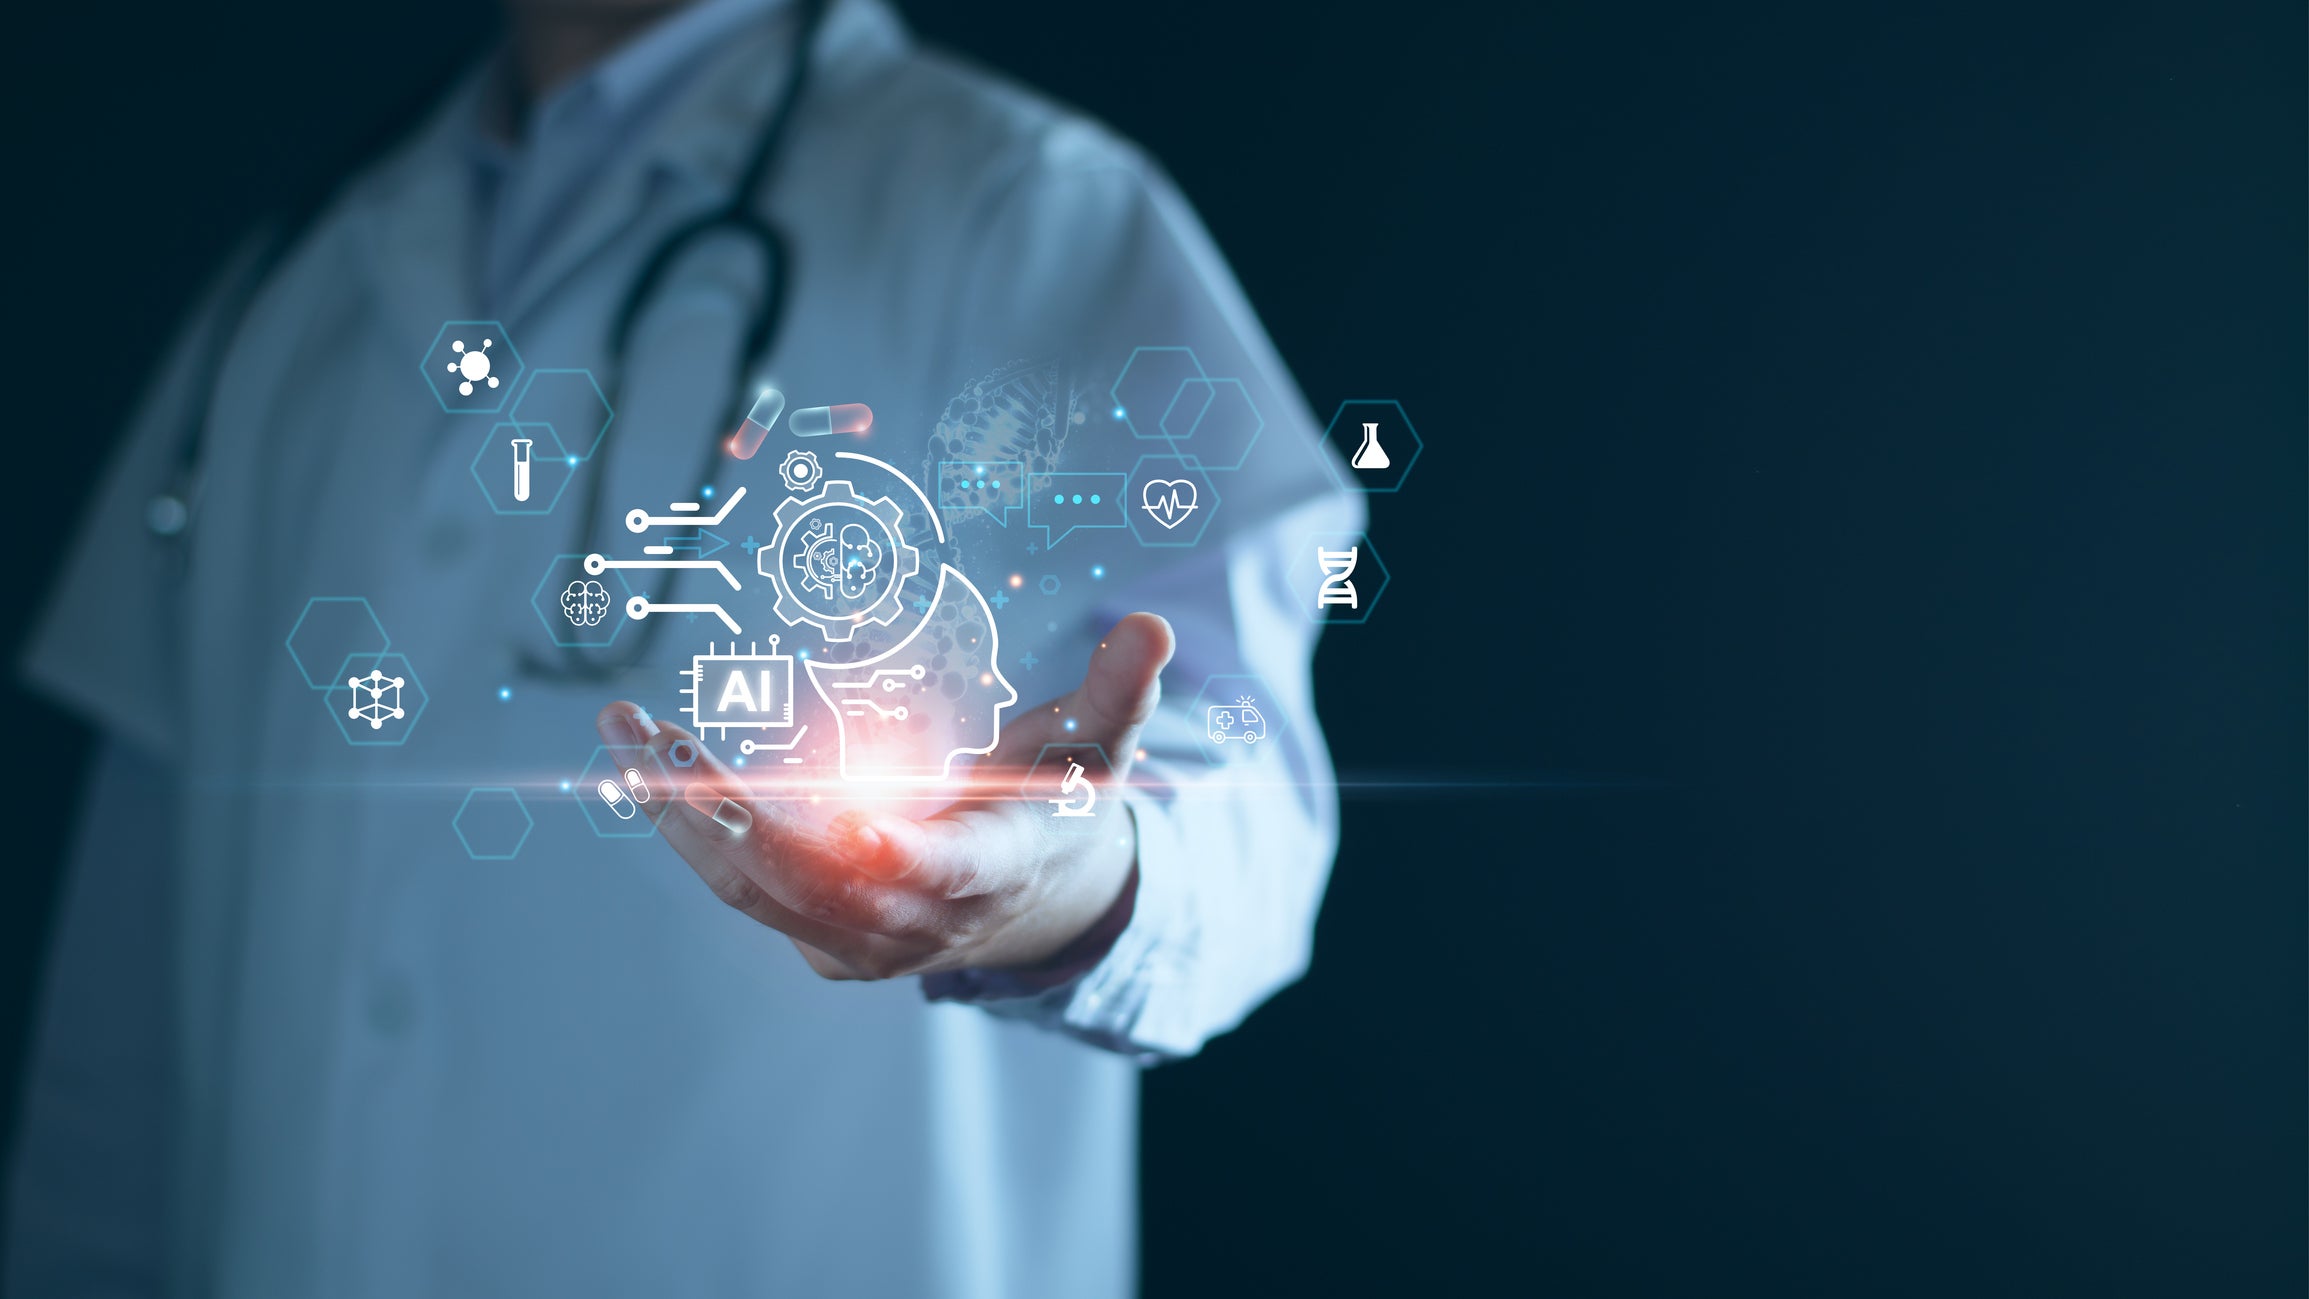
x=170 y=513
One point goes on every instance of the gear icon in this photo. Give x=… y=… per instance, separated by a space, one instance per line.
x=800 y=470
x=838 y=561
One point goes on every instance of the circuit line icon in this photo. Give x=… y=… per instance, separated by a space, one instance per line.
x=685 y=514
x=729 y=691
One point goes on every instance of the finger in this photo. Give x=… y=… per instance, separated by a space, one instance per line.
x=707 y=814
x=809 y=885
x=1119 y=692
x=979 y=851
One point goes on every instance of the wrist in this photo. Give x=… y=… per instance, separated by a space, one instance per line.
x=1087 y=883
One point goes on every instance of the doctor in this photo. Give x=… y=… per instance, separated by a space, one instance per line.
x=295 y=1040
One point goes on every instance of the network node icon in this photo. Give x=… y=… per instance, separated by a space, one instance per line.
x=472 y=366
x=377 y=699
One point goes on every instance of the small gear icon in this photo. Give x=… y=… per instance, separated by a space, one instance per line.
x=847 y=551
x=800 y=470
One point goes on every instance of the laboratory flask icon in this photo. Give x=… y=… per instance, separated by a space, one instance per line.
x=521 y=468
x=1370 y=455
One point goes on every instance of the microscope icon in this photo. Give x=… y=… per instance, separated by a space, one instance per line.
x=1075 y=782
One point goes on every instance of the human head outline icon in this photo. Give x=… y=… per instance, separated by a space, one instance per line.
x=902 y=720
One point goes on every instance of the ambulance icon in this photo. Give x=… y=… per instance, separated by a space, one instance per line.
x=1237 y=721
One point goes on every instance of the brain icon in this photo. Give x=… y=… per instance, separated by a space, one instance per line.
x=861 y=556
x=585 y=602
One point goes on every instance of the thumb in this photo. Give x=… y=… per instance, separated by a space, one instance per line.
x=1120 y=690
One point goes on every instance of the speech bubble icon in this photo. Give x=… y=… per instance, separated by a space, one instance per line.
x=995 y=486
x=1061 y=503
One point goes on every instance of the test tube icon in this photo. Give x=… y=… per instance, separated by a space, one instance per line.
x=748 y=438
x=521 y=469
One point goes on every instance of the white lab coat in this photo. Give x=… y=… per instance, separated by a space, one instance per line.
x=297 y=1042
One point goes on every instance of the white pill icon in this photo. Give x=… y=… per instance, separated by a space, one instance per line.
x=617 y=800
x=634 y=782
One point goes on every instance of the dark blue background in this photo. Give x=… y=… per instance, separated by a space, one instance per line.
x=1865 y=453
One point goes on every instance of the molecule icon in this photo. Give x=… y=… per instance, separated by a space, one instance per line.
x=471 y=366
x=370 y=696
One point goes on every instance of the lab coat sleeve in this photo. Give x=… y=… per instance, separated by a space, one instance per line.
x=108 y=641
x=1233 y=856
x=87 y=1191
x=1234 y=847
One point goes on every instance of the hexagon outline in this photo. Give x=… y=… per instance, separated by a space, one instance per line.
x=528 y=823
x=561 y=453
x=608 y=412
x=289 y=642
x=504 y=390
x=1133 y=502
x=1338 y=468
x=1114 y=391
x=616 y=612
x=377 y=662
x=1259 y=423
x=1369 y=599
x=1198 y=714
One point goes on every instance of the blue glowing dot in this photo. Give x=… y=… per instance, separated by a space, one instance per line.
x=1078 y=498
x=572 y=461
x=802 y=653
x=1070 y=723
x=565 y=787
x=1098 y=571
x=707 y=491
x=504 y=692
x=1118 y=412
x=738 y=761
x=982 y=483
x=1058 y=500
x=998 y=484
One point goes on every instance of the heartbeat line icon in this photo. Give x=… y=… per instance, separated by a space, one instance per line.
x=1168 y=501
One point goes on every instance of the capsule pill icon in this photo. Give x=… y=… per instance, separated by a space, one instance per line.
x=822 y=421
x=759 y=421
x=634 y=782
x=617 y=800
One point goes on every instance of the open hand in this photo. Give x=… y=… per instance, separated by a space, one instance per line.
x=988 y=883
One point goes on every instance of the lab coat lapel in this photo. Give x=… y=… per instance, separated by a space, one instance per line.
x=687 y=159
x=415 y=218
